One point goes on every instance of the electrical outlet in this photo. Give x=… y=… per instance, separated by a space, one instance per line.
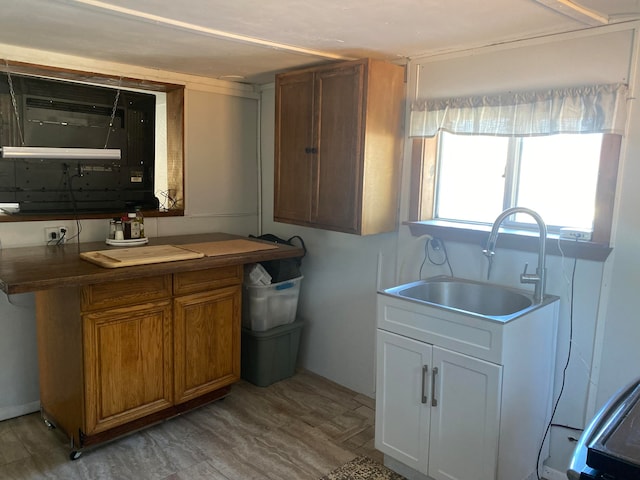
x=436 y=244
x=575 y=234
x=55 y=235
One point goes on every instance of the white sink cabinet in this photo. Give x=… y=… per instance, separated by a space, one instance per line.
x=460 y=396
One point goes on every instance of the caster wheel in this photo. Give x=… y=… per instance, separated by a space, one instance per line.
x=49 y=425
x=75 y=455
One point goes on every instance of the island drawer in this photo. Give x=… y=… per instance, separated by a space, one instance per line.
x=204 y=280
x=125 y=292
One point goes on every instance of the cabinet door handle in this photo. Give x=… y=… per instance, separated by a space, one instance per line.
x=310 y=150
x=425 y=371
x=434 y=400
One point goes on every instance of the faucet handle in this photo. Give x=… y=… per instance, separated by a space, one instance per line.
x=529 y=277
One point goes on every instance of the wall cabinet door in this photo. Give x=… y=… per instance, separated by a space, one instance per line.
x=338 y=146
x=319 y=144
x=127 y=364
x=293 y=142
x=437 y=411
x=338 y=134
x=206 y=341
x=465 y=417
x=403 y=399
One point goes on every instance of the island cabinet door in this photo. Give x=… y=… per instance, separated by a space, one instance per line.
x=206 y=341
x=128 y=364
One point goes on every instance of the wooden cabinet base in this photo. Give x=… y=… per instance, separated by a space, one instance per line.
x=79 y=440
x=118 y=356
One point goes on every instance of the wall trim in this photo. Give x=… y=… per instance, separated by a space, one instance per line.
x=19 y=410
x=552 y=474
x=114 y=70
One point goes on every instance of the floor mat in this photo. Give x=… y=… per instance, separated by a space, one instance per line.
x=362 y=468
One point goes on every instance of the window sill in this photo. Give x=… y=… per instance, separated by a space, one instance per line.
x=522 y=240
x=83 y=216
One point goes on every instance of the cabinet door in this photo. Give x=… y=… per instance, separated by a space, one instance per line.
x=403 y=399
x=127 y=364
x=293 y=143
x=339 y=133
x=465 y=421
x=206 y=341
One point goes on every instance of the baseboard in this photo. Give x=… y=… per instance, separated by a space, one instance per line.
x=402 y=469
x=19 y=410
x=410 y=474
x=552 y=474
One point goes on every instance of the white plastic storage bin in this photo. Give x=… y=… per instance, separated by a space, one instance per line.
x=268 y=306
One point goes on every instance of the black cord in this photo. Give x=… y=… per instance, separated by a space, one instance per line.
x=74 y=205
x=426 y=255
x=566 y=366
x=435 y=244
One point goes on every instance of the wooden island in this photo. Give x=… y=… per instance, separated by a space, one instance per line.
x=122 y=348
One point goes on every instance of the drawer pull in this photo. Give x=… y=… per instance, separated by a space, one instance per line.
x=425 y=371
x=434 y=400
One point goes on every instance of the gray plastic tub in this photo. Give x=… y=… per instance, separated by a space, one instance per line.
x=270 y=356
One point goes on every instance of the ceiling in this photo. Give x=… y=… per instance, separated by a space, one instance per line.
x=250 y=40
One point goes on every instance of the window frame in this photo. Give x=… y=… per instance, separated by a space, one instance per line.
x=422 y=198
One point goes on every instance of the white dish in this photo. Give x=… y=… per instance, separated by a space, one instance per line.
x=127 y=243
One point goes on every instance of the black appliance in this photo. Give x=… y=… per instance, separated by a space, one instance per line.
x=609 y=448
x=50 y=113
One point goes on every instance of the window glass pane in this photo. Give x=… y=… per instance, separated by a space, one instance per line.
x=558 y=178
x=471 y=177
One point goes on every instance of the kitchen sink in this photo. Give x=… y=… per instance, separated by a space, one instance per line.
x=467 y=296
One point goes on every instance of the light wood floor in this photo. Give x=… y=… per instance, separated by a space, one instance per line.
x=299 y=428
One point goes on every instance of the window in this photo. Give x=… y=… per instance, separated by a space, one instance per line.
x=168 y=175
x=480 y=176
x=577 y=191
x=554 y=151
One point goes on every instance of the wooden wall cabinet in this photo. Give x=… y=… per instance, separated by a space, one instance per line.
x=338 y=146
x=117 y=356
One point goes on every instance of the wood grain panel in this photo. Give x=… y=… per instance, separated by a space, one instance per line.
x=206 y=342
x=175 y=148
x=125 y=292
x=128 y=364
x=127 y=257
x=383 y=147
x=349 y=179
x=206 y=280
x=337 y=173
x=59 y=333
x=27 y=269
x=293 y=139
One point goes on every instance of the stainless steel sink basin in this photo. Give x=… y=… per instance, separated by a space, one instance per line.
x=467 y=296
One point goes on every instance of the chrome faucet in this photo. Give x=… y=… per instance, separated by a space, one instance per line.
x=538 y=279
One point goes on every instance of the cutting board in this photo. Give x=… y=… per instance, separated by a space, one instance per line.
x=228 y=247
x=126 y=257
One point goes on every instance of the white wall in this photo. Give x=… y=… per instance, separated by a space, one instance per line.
x=342 y=272
x=338 y=292
x=221 y=131
x=603 y=56
x=19 y=392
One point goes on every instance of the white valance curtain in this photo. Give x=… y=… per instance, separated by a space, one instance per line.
x=587 y=109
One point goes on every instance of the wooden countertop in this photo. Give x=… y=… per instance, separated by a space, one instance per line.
x=28 y=269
